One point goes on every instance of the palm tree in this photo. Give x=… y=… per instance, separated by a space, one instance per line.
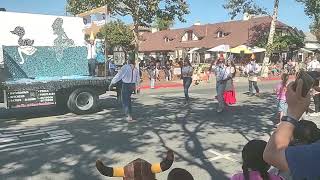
x=265 y=69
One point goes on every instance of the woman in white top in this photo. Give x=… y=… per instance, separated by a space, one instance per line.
x=187 y=72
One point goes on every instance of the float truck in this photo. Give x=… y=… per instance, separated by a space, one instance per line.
x=43 y=61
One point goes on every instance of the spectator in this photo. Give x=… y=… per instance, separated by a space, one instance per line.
x=302 y=160
x=179 y=174
x=112 y=68
x=316 y=95
x=167 y=69
x=313 y=65
x=280 y=91
x=254 y=167
x=306 y=133
x=171 y=69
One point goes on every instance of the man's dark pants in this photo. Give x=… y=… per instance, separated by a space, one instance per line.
x=92 y=67
x=255 y=85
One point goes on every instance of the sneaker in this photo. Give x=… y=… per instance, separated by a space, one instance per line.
x=219 y=110
x=257 y=94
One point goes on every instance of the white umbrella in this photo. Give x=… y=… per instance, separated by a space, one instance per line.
x=258 y=50
x=193 y=50
x=221 y=48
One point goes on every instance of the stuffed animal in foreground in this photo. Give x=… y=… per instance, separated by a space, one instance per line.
x=138 y=169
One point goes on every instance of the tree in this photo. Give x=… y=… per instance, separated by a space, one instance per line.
x=312 y=9
x=241 y=6
x=236 y=7
x=116 y=33
x=163 y=24
x=142 y=12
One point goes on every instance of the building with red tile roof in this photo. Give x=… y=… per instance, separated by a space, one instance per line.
x=177 y=43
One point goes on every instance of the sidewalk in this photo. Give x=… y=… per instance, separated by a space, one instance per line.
x=178 y=83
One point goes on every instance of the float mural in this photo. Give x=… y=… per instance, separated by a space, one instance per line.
x=42 y=46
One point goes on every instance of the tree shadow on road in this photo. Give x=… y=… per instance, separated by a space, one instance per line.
x=164 y=124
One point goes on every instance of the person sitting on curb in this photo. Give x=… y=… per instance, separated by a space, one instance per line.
x=302 y=161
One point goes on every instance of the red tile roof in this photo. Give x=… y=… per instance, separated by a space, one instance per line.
x=238 y=35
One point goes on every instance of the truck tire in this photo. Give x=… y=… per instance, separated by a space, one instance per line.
x=83 y=101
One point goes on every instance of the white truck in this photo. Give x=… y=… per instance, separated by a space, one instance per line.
x=43 y=61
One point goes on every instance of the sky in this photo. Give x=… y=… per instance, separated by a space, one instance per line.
x=204 y=11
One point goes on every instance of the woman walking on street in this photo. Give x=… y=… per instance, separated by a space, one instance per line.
x=186 y=73
x=229 y=92
x=129 y=75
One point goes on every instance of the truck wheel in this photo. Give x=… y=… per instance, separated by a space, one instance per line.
x=83 y=101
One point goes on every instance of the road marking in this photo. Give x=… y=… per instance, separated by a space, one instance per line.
x=222 y=156
x=16 y=139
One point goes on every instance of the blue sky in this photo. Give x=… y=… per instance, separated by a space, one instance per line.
x=205 y=11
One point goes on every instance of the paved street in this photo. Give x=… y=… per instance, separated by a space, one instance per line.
x=43 y=144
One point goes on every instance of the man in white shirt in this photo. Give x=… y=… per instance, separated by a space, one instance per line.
x=91 y=58
x=252 y=70
x=129 y=75
x=222 y=75
x=313 y=65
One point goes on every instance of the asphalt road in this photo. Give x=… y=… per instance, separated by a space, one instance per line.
x=41 y=143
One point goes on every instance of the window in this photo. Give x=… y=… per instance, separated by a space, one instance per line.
x=166 y=39
x=220 y=34
x=190 y=34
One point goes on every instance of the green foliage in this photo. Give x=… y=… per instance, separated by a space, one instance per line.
x=236 y=7
x=312 y=9
x=163 y=24
x=285 y=43
x=142 y=12
x=116 y=33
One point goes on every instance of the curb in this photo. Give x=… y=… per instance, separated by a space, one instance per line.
x=177 y=85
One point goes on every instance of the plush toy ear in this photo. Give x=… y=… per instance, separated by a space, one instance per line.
x=164 y=165
x=109 y=171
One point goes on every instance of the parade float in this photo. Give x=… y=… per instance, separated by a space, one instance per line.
x=43 y=61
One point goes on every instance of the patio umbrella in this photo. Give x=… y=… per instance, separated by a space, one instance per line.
x=242 y=48
x=258 y=49
x=220 y=48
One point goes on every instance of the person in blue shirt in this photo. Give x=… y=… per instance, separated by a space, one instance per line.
x=303 y=161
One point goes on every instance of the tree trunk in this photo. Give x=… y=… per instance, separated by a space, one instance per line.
x=106 y=67
x=265 y=69
x=136 y=40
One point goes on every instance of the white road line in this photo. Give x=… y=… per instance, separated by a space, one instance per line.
x=34 y=134
x=9 y=135
x=22 y=147
x=57 y=141
x=58 y=131
x=8 y=139
x=9 y=131
x=48 y=128
x=19 y=143
x=56 y=137
x=222 y=156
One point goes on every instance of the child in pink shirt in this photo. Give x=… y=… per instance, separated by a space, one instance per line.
x=280 y=91
x=254 y=167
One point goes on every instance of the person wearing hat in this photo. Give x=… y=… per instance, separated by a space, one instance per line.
x=222 y=76
x=252 y=70
x=91 y=55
